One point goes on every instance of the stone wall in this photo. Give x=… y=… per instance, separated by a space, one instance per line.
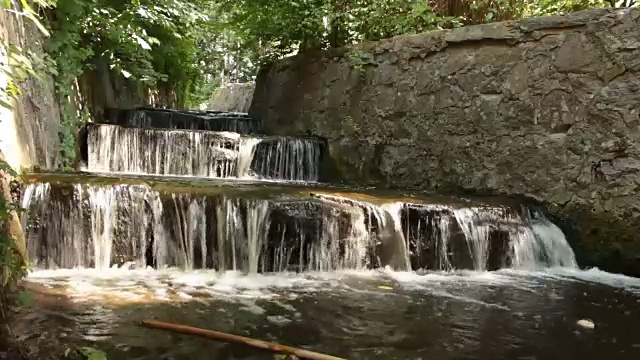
x=28 y=132
x=547 y=108
x=232 y=97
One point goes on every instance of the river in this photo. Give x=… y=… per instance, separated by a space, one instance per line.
x=377 y=314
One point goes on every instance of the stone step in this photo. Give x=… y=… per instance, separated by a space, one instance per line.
x=92 y=221
x=182 y=119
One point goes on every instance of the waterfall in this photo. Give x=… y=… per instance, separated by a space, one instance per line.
x=394 y=244
x=385 y=226
x=257 y=223
x=231 y=230
x=159 y=245
x=55 y=226
x=277 y=228
x=242 y=235
x=32 y=193
x=542 y=243
x=246 y=154
x=102 y=201
x=137 y=232
x=534 y=242
x=206 y=154
x=357 y=241
x=288 y=159
x=161 y=152
x=101 y=226
x=430 y=235
x=316 y=235
x=476 y=231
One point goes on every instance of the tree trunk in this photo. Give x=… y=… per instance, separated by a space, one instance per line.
x=335 y=37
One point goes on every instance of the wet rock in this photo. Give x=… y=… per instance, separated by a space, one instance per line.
x=232 y=97
x=545 y=108
x=31 y=135
x=586 y=323
x=212 y=120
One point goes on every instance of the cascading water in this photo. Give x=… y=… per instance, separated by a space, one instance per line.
x=137 y=230
x=430 y=240
x=115 y=149
x=137 y=226
x=533 y=243
x=33 y=193
x=493 y=237
x=229 y=229
x=257 y=221
x=246 y=154
x=188 y=232
x=343 y=242
x=544 y=243
x=143 y=227
x=385 y=227
x=161 y=152
x=102 y=201
x=476 y=232
x=288 y=158
x=155 y=229
x=56 y=211
x=394 y=246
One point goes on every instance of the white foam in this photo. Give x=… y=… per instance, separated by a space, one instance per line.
x=177 y=285
x=159 y=285
x=252 y=307
x=417 y=280
x=594 y=275
x=278 y=319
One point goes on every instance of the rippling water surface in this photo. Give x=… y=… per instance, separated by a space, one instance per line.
x=354 y=315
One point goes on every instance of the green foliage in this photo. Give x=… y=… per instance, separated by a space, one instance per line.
x=378 y=19
x=133 y=37
x=24 y=299
x=481 y=11
x=272 y=29
x=12 y=264
x=358 y=60
x=16 y=64
x=164 y=48
x=484 y=11
x=16 y=68
x=85 y=352
x=276 y=28
x=552 y=7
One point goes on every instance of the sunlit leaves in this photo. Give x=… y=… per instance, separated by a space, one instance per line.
x=142 y=42
x=16 y=64
x=281 y=27
x=125 y=33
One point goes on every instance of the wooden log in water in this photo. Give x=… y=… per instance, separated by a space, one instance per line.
x=260 y=344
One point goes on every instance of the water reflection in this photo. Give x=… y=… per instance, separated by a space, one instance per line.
x=356 y=315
